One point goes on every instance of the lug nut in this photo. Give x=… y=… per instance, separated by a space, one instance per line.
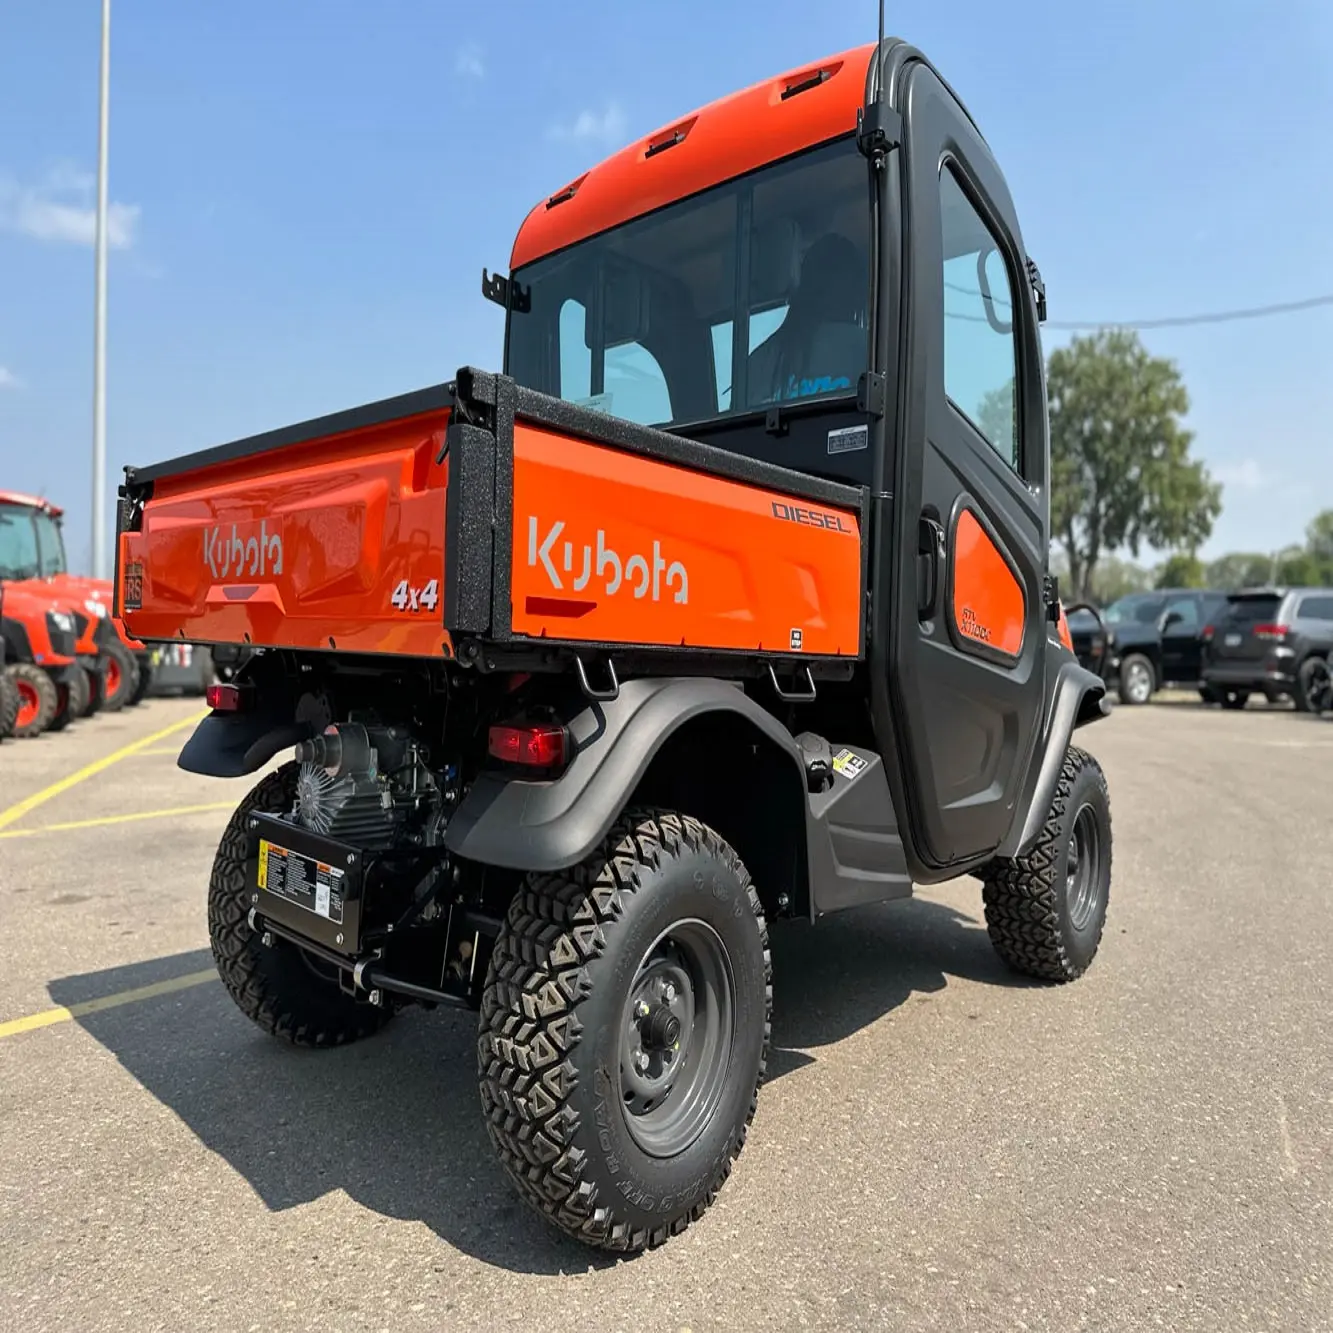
x=668 y=992
x=641 y=1010
x=641 y=1062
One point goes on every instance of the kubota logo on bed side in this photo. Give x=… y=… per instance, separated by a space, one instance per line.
x=236 y=554
x=644 y=576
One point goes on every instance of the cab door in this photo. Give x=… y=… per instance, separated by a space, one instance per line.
x=969 y=656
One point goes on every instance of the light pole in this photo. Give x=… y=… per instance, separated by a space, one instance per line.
x=99 y=331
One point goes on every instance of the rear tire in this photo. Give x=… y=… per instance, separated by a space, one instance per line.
x=611 y=1132
x=122 y=677
x=1045 y=912
x=1235 y=700
x=9 y=704
x=38 y=699
x=1314 y=686
x=95 y=683
x=75 y=700
x=1138 y=680
x=276 y=987
x=142 y=683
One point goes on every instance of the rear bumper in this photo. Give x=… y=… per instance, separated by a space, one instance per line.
x=1265 y=677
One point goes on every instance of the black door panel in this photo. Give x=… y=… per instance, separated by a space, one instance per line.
x=966 y=719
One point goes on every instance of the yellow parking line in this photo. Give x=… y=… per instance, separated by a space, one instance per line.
x=29 y=803
x=62 y=1015
x=118 y=819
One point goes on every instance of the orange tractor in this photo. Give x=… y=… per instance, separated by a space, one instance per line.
x=727 y=603
x=117 y=668
x=42 y=684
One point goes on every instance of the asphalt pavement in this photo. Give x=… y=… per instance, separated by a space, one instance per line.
x=939 y=1145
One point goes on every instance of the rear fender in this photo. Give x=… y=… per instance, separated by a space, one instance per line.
x=1078 y=696
x=529 y=825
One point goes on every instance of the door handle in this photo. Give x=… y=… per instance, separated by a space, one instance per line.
x=929 y=565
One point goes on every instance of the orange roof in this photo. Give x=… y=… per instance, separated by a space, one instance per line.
x=725 y=139
x=30 y=502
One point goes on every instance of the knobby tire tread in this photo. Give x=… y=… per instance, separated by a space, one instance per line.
x=1023 y=896
x=530 y=1025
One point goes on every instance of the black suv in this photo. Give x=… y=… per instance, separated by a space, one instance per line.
x=1152 y=639
x=1261 y=639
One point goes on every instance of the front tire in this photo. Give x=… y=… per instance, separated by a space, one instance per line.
x=1138 y=680
x=614 y=1131
x=39 y=700
x=278 y=987
x=1045 y=911
x=122 y=677
x=9 y=704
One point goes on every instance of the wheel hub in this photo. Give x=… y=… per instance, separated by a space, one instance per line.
x=1082 y=867
x=677 y=1038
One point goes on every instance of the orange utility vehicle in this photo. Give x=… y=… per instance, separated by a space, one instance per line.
x=727 y=601
x=117 y=666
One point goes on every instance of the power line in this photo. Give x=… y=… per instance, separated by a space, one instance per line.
x=1167 y=322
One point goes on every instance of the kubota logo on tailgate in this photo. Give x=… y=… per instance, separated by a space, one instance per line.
x=238 y=554
x=645 y=578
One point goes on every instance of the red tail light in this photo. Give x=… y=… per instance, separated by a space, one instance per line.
x=225 y=698
x=1278 y=632
x=1207 y=635
x=540 y=745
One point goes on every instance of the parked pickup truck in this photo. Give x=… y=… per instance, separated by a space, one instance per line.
x=718 y=607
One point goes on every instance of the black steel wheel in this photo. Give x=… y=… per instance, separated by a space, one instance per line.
x=624 y=1032
x=1314 y=686
x=1046 y=910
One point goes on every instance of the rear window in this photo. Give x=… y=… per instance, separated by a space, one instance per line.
x=1252 y=610
x=1315 y=608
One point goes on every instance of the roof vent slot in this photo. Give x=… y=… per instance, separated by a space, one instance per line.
x=565 y=195
x=669 y=138
x=804 y=82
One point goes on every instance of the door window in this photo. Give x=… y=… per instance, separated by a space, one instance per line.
x=980 y=351
x=1315 y=608
x=1187 y=609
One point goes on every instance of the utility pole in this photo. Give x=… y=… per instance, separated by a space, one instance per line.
x=99 y=331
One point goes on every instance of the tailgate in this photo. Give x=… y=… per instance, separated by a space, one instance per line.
x=1246 y=630
x=325 y=535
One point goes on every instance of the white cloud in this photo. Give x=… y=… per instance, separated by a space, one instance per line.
x=9 y=380
x=61 y=208
x=1245 y=475
x=593 y=126
x=469 y=63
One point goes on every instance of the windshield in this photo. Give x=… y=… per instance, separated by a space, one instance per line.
x=18 y=543
x=1139 y=610
x=750 y=293
x=50 y=547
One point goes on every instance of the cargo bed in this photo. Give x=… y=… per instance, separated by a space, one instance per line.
x=477 y=519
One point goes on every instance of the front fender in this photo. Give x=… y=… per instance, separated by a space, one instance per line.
x=1078 y=697
x=522 y=824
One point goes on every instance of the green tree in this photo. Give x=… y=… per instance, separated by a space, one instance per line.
x=1319 y=545
x=1121 y=471
x=1239 y=569
x=1182 y=570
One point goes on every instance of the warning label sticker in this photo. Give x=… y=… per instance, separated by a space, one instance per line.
x=302 y=880
x=850 y=765
x=847 y=439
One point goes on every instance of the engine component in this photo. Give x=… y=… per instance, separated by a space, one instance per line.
x=360 y=784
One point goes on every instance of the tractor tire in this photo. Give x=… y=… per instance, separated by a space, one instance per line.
x=38 y=699
x=122 y=677
x=1234 y=700
x=96 y=687
x=1314 y=686
x=279 y=987
x=1138 y=680
x=74 y=701
x=1045 y=911
x=9 y=704
x=625 y=1030
x=142 y=684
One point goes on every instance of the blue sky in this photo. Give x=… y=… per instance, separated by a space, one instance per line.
x=304 y=193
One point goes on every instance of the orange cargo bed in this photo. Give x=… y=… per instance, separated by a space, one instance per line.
x=476 y=517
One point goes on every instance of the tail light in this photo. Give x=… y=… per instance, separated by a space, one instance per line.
x=1274 y=632
x=534 y=745
x=1207 y=635
x=226 y=698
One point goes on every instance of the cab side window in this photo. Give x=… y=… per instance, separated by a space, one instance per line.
x=980 y=348
x=1188 y=611
x=1315 y=608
